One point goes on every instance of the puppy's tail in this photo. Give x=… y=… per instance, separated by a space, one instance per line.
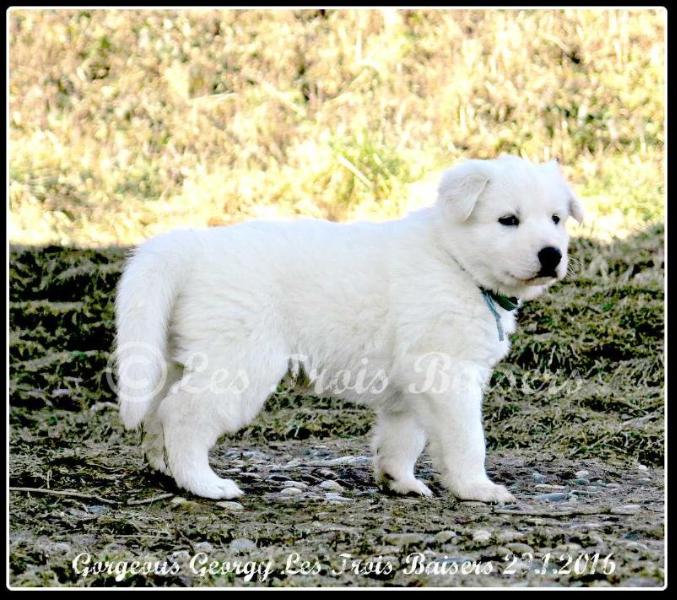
x=144 y=302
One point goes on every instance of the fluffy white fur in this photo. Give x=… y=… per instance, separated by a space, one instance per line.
x=209 y=321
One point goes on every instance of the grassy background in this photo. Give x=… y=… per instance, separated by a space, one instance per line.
x=124 y=124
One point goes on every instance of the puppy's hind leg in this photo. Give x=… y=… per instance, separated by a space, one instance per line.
x=203 y=407
x=398 y=442
x=153 y=439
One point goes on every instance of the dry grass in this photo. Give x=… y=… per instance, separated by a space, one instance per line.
x=124 y=124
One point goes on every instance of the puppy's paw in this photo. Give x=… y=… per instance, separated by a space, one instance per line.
x=409 y=486
x=404 y=485
x=482 y=491
x=153 y=448
x=214 y=488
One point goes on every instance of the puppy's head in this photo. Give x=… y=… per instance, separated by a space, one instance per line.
x=504 y=222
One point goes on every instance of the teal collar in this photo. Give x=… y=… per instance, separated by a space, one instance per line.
x=505 y=302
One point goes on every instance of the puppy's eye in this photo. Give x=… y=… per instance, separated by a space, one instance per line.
x=555 y=219
x=509 y=221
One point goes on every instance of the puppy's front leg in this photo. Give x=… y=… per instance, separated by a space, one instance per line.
x=452 y=417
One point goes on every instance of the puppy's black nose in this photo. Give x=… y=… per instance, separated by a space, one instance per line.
x=550 y=257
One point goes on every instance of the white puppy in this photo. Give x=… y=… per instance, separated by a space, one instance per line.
x=408 y=316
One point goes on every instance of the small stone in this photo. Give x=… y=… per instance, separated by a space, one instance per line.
x=205 y=547
x=291 y=491
x=519 y=548
x=181 y=556
x=509 y=535
x=538 y=477
x=230 y=505
x=642 y=467
x=347 y=460
x=613 y=485
x=554 y=497
x=627 y=509
x=582 y=473
x=326 y=473
x=476 y=506
x=444 y=536
x=60 y=548
x=331 y=486
x=581 y=481
x=277 y=477
x=295 y=484
x=187 y=505
x=242 y=545
x=567 y=548
x=404 y=539
x=334 y=497
x=550 y=486
x=481 y=535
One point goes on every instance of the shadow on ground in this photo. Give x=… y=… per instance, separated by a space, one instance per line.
x=574 y=422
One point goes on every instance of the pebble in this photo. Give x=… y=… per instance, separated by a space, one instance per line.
x=550 y=486
x=567 y=548
x=481 y=535
x=582 y=481
x=334 y=497
x=230 y=505
x=554 y=497
x=632 y=545
x=538 y=477
x=444 y=536
x=205 y=547
x=277 y=477
x=291 y=491
x=404 y=539
x=187 y=505
x=181 y=556
x=241 y=545
x=331 y=486
x=60 y=548
x=519 y=548
x=295 y=484
x=326 y=473
x=476 y=506
x=627 y=509
x=613 y=485
x=642 y=467
x=345 y=460
x=582 y=473
x=509 y=535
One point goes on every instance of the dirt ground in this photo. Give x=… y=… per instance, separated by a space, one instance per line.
x=574 y=422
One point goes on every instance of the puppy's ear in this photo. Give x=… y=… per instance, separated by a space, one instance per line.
x=460 y=188
x=575 y=206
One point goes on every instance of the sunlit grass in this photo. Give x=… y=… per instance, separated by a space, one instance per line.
x=124 y=124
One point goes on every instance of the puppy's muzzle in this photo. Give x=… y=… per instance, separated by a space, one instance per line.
x=549 y=257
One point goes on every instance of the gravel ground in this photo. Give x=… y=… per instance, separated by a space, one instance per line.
x=308 y=506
